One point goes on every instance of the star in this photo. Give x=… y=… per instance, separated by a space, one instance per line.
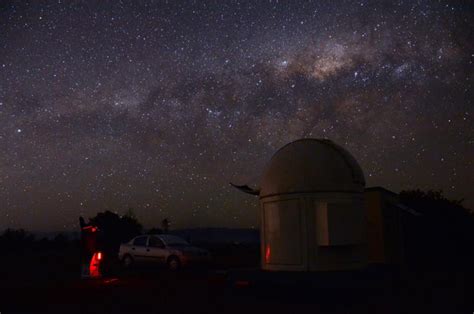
x=158 y=106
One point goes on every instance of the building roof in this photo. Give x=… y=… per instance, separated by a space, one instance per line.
x=312 y=165
x=401 y=206
x=380 y=189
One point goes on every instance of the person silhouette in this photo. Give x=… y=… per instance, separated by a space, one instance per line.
x=89 y=248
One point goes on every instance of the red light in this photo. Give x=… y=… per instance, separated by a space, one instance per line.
x=267 y=254
x=94 y=270
x=92 y=229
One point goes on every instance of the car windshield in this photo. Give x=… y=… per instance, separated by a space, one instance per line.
x=174 y=240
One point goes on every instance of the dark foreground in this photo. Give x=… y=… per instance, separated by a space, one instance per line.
x=48 y=281
x=211 y=291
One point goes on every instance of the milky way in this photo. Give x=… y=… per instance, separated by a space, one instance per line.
x=158 y=106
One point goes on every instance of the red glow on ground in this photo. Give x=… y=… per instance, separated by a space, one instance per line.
x=242 y=283
x=267 y=254
x=112 y=280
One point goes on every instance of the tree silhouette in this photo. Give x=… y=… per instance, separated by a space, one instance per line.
x=155 y=231
x=16 y=239
x=60 y=239
x=165 y=225
x=443 y=235
x=115 y=229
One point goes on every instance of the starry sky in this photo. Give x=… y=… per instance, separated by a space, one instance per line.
x=158 y=105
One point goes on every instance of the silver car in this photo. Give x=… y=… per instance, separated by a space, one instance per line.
x=169 y=250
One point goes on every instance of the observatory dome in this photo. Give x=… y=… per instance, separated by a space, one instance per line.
x=312 y=165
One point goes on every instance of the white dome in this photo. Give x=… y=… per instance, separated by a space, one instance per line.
x=312 y=165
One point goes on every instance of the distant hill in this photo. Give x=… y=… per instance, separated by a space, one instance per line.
x=219 y=235
x=193 y=235
x=70 y=235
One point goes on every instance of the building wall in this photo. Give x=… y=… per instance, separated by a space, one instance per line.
x=375 y=227
x=385 y=238
x=339 y=226
x=313 y=231
x=393 y=229
x=330 y=231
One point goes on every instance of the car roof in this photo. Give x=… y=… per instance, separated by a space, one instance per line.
x=167 y=238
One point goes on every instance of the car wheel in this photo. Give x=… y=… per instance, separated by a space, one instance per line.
x=127 y=261
x=173 y=263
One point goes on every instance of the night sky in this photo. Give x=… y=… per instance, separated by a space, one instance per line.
x=159 y=105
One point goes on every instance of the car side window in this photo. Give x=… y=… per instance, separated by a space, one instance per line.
x=140 y=241
x=155 y=242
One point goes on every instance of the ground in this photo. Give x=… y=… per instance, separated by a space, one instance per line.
x=54 y=285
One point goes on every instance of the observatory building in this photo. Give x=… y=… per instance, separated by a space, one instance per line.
x=312 y=210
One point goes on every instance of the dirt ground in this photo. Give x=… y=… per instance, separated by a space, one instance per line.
x=215 y=291
x=50 y=282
